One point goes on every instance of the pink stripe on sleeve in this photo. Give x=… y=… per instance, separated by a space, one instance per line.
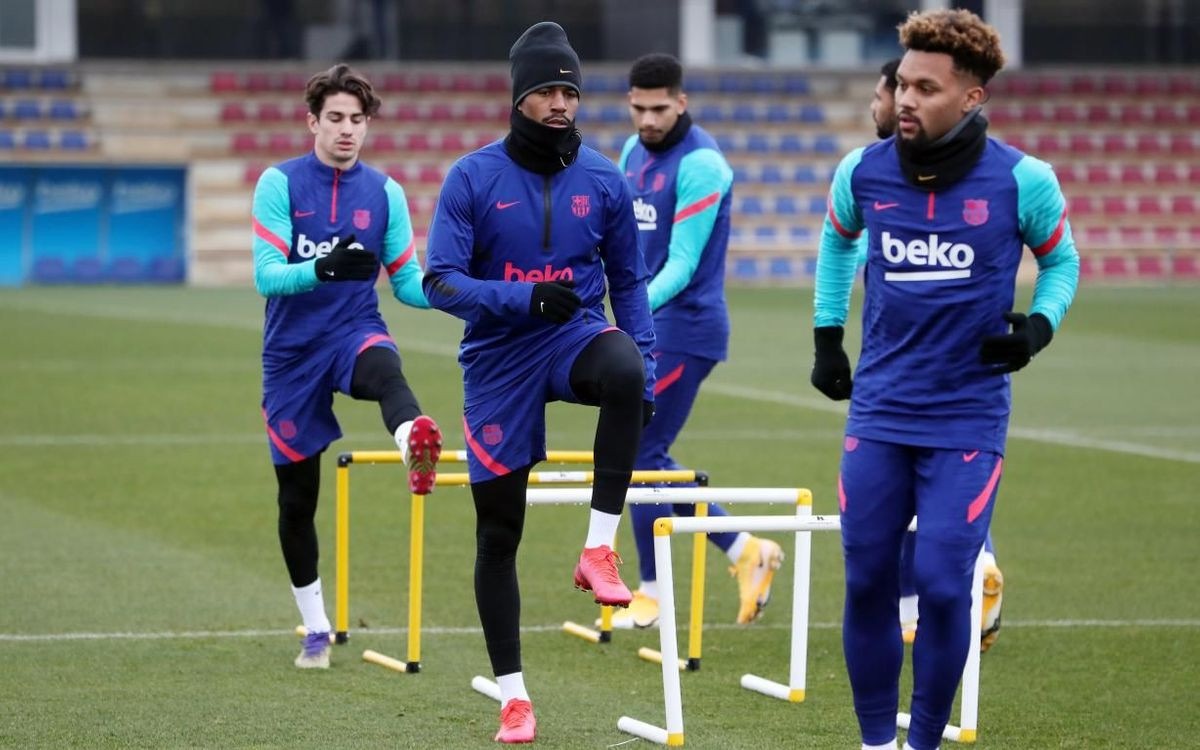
x=395 y=265
x=270 y=237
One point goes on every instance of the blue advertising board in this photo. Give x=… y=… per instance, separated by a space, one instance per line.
x=81 y=225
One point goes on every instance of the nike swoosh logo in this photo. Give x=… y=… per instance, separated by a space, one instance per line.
x=884 y=206
x=564 y=72
x=502 y=206
x=926 y=178
x=302 y=214
x=969 y=457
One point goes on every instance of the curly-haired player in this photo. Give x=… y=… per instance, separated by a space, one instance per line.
x=948 y=212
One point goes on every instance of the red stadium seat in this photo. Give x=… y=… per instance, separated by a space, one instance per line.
x=1167 y=236
x=1132 y=114
x=428 y=174
x=1149 y=86
x=483 y=139
x=1117 y=85
x=233 y=112
x=496 y=82
x=1113 y=205
x=1046 y=144
x=1114 y=266
x=1087 y=268
x=1095 y=236
x=281 y=143
x=1034 y=114
x=417 y=142
x=1165 y=174
x=430 y=82
x=251 y=173
x=1165 y=114
x=1083 y=84
x=464 y=82
x=1098 y=174
x=1098 y=113
x=1182 y=144
x=397 y=172
x=1132 y=174
x=1185 y=265
x=1051 y=85
x=1148 y=143
x=258 y=82
x=394 y=82
x=441 y=112
x=269 y=112
x=1184 y=205
x=1192 y=117
x=1150 y=266
x=383 y=143
x=452 y=141
x=1066 y=113
x=1067 y=173
x=300 y=112
x=1017 y=141
x=293 y=83
x=1081 y=205
x=1193 y=174
x=244 y=143
x=1081 y=143
x=1131 y=236
x=1182 y=84
x=224 y=82
x=1114 y=143
x=406 y=112
x=1149 y=205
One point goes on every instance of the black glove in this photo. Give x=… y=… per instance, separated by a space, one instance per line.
x=831 y=366
x=1012 y=351
x=554 y=301
x=345 y=263
x=647 y=412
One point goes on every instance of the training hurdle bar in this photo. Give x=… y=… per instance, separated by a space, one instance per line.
x=803 y=524
x=416 y=542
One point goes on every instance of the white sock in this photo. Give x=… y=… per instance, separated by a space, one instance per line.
x=885 y=746
x=650 y=589
x=908 y=609
x=512 y=686
x=734 y=553
x=312 y=607
x=602 y=528
x=402 y=439
x=988 y=558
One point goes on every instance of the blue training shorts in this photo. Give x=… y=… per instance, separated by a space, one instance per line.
x=298 y=395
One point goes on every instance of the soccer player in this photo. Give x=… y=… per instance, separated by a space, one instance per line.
x=526 y=232
x=682 y=188
x=948 y=211
x=323 y=223
x=883 y=112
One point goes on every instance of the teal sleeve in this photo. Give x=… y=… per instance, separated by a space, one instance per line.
x=837 y=258
x=630 y=142
x=703 y=180
x=271 y=219
x=861 y=243
x=1042 y=216
x=399 y=254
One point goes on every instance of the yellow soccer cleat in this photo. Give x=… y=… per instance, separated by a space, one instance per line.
x=754 y=571
x=642 y=612
x=993 y=595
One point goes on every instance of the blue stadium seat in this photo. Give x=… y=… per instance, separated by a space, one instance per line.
x=817 y=205
x=805 y=174
x=790 y=143
x=3 y=109
x=752 y=206
x=812 y=113
x=771 y=174
x=766 y=234
x=810 y=266
x=796 y=85
x=75 y=140
x=745 y=113
x=729 y=83
x=801 y=235
x=758 y=143
x=745 y=268
x=27 y=109
x=88 y=271
x=614 y=113
x=167 y=270
x=18 y=78
x=786 y=204
x=62 y=109
x=700 y=84
x=127 y=269
x=763 y=84
x=55 y=80
x=710 y=113
x=780 y=268
x=727 y=143
x=37 y=139
x=740 y=174
x=50 y=271
x=779 y=113
x=7 y=141
x=826 y=144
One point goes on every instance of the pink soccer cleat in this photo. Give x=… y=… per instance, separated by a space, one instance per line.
x=424 y=449
x=516 y=722
x=597 y=572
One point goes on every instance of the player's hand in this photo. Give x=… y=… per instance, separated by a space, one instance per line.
x=647 y=412
x=831 y=366
x=554 y=301
x=345 y=263
x=1010 y=352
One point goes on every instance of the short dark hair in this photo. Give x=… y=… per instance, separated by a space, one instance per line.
x=341 y=78
x=973 y=44
x=888 y=71
x=656 y=70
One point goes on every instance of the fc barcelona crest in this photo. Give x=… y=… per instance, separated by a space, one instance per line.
x=492 y=434
x=581 y=205
x=975 y=212
x=362 y=219
x=660 y=182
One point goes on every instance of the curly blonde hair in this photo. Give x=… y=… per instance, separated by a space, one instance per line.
x=974 y=45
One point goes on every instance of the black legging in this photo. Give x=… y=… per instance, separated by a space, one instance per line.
x=377 y=377
x=608 y=373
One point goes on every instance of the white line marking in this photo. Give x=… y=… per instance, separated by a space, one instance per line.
x=1183 y=623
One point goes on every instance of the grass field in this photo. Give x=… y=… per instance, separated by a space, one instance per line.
x=144 y=602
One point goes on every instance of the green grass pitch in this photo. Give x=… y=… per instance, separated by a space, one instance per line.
x=144 y=601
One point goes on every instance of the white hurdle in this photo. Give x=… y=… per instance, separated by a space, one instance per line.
x=803 y=524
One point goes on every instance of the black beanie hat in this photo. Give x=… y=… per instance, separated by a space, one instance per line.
x=543 y=57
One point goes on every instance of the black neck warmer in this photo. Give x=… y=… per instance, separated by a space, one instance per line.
x=540 y=148
x=673 y=136
x=936 y=165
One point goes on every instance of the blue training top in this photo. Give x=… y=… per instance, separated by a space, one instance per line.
x=940 y=275
x=682 y=200
x=500 y=228
x=302 y=208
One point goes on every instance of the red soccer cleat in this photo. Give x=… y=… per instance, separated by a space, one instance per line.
x=597 y=572
x=516 y=722
x=424 y=449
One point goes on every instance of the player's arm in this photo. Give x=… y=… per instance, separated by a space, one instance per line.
x=399 y=249
x=272 y=223
x=1042 y=220
x=623 y=159
x=447 y=283
x=625 y=268
x=837 y=261
x=703 y=180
